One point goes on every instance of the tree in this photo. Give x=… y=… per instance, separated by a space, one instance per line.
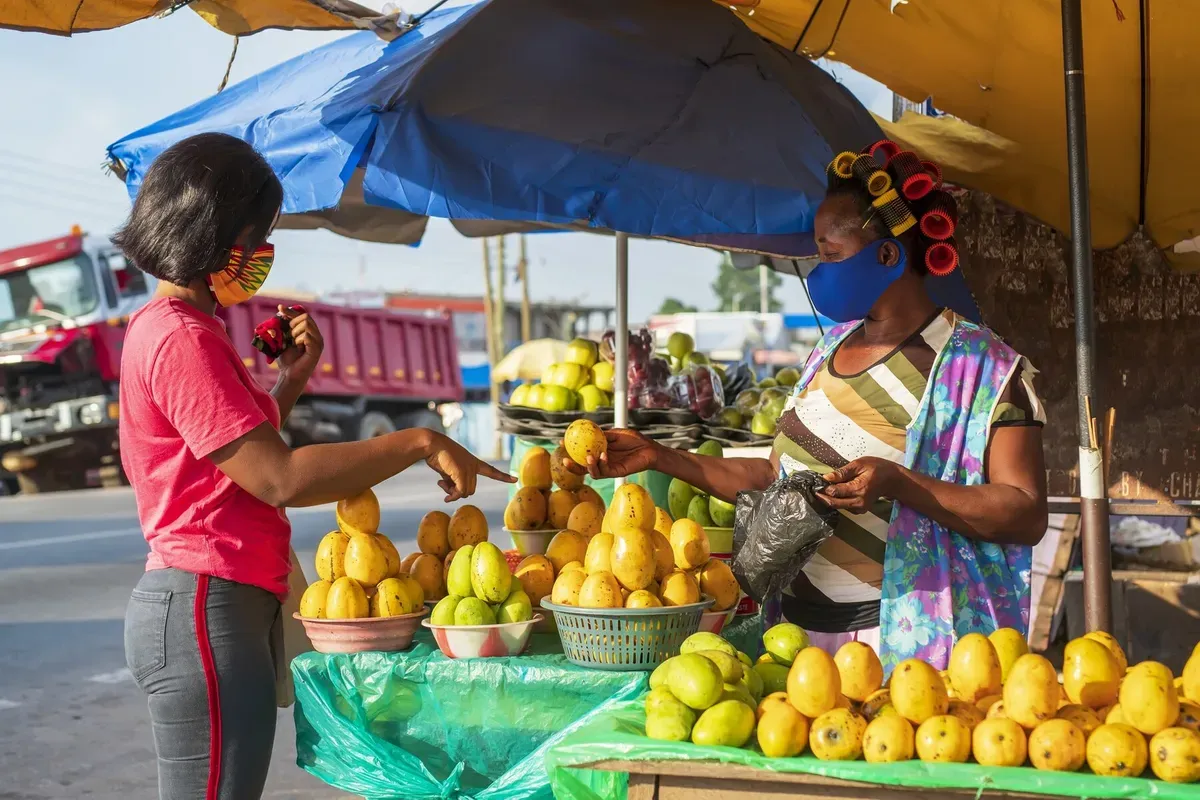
x=672 y=305
x=738 y=289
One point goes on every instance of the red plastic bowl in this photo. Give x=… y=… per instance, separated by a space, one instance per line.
x=384 y=634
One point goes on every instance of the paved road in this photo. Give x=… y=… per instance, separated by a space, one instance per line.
x=72 y=723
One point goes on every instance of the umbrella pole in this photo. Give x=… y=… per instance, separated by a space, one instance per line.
x=621 y=344
x=1093 y=492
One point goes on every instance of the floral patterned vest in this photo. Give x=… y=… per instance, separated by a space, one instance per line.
x=937 y=584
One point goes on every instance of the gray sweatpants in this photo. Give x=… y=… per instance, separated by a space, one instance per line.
x=202 y=649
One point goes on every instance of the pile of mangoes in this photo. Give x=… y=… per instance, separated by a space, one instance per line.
x=997 y=703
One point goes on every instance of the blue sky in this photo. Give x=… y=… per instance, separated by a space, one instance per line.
x=64 y=100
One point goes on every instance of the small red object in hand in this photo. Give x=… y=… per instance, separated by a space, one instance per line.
x=274 y=335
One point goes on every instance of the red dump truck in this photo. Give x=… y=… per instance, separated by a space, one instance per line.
x=64 y=306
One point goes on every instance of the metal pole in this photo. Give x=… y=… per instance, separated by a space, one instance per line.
x=764 y=289
x=489 y=314
x=1093 y=492
x=621 y=367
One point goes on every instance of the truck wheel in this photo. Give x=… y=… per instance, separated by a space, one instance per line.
x=422 y=418
x=375 y=423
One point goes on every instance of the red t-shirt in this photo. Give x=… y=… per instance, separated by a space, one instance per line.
x=185 y=394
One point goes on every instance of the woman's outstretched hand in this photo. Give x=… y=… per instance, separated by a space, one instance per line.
x=459 y=469
x=628 y=452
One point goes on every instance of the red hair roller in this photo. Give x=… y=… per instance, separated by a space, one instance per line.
x=940 y=220
x=886 y=147
x=942 y=257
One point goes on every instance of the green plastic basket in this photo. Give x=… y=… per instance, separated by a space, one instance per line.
x=624 y=639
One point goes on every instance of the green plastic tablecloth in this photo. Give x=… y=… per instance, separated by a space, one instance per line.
x=619 y=733
x=417 y=725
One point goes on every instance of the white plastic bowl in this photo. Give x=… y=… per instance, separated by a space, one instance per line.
x=483 y=641
x=529 y=543
x=715 y=621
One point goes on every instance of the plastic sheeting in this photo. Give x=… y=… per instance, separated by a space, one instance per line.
x=619 y=734
x=416 y=725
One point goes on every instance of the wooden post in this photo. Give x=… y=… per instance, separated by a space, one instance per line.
x=493 y=355
x=523 y=270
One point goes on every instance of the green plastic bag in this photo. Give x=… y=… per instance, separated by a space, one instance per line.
x=618 y=733
x=418 y=725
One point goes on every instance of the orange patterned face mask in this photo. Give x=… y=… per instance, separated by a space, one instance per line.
x=238 y=282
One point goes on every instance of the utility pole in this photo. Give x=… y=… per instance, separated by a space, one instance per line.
x=764 y=289
x=489 y=313
x=523 y=275
x=501 y=305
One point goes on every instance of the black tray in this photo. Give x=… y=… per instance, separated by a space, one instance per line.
x=642 y=417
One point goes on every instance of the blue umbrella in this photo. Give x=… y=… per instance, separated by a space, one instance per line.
x=654 y=118
x=666 y=119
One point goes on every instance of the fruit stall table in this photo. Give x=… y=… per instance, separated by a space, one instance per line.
x=415 y=724
x=612 y=742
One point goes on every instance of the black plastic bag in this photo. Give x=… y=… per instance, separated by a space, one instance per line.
x=777 y=531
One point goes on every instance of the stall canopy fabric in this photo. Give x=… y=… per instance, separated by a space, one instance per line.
x=668 y=119
x=997 y=66
x=236 y=17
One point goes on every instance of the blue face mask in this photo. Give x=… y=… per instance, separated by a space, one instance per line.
x=847 y=290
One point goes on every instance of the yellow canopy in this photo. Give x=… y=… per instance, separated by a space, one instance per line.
x=235 y=17
x=527 y=362
x=997 y=65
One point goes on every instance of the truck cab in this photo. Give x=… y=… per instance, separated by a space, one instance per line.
x=63 y=304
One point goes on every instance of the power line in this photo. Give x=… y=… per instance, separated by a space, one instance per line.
x=25 y=158
x=57 y=207
x=64 y=192
x=93 y=183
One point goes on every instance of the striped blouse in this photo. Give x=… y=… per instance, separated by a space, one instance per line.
x=838 y=418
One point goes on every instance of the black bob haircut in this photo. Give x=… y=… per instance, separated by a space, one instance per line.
x=195 y=201
x=873 y=223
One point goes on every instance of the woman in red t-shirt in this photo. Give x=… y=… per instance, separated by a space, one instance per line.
x=201 y=446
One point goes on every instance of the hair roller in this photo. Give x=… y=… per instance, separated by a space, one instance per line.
x=939 y=221
x=934 y=172
x=864 y=167
x=842 y=165
x=894 y=212
x=941 y=258
x=911 y=177
x=885 y=148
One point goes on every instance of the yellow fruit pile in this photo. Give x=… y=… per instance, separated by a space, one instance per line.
x=538 y=505
x=481 y=590
x=638 y=558
x=359 y=569
x=997 y=703
x=439 y=537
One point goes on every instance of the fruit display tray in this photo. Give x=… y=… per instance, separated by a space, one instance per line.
x=735 y=437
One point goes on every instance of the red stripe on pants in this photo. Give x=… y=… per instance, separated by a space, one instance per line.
x=214 y=689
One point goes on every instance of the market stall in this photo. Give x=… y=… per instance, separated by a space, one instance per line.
x=414 y=722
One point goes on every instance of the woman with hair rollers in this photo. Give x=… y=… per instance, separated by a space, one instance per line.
x=201 y=446
x=925 y=424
